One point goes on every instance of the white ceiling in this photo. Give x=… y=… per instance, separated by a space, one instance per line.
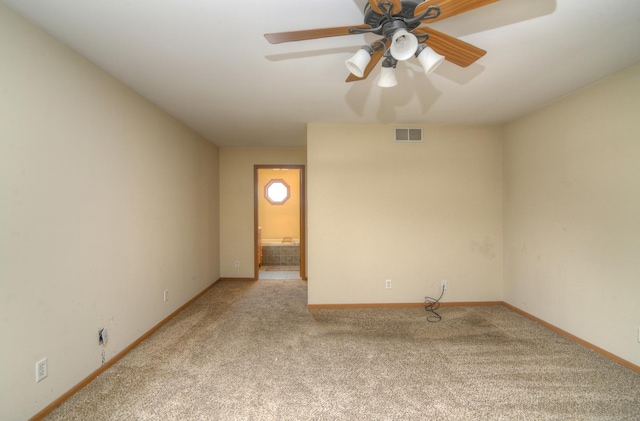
x=207 y=63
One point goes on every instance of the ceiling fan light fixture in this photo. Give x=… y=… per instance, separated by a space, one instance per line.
x=428 y=58
x=399 y=22
x=403 y=45
x=387 y=77
x=360 y=60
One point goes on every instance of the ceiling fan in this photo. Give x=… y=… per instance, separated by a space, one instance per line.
x=399 y=23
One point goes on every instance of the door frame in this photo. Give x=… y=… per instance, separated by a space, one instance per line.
x=303 y=209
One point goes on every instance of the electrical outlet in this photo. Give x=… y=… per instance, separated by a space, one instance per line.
x=42 y=370
x=444 y=284
x=387 y=284
x=166 y=295
x=102 y=336
x=236 y=263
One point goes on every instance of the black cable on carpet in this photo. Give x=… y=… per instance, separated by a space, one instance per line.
x=431 y=305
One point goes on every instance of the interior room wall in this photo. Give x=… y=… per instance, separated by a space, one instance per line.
x=413 y=213
x=237 y=203
x=572 y=214
x=105 y=203
x=279 y=220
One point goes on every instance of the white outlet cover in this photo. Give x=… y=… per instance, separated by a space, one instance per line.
x=42 y=370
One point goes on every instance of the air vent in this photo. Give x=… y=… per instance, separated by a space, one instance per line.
x=408 y=135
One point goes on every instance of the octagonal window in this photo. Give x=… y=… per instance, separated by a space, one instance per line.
x=277 y=191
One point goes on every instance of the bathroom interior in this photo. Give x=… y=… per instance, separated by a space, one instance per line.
x=278 y=223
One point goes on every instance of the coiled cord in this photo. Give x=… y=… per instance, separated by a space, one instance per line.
x=431 y=305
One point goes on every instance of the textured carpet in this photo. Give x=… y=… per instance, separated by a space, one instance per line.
x=252 y=351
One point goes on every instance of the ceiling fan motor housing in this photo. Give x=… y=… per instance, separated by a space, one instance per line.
x=375 y=19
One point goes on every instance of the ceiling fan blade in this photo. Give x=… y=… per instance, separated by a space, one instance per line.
x=278 y=37
x=450 y=8
x=396 y=6
x=454 y=50
x=375 y=58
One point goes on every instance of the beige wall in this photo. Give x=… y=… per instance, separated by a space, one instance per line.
x=279 y=220
x=237 y=203
x=413 y=213
x=106 y=202
x=572 y=214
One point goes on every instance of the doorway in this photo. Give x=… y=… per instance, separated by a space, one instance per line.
x=279 y=222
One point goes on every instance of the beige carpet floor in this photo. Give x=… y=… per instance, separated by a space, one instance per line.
x=252 y=351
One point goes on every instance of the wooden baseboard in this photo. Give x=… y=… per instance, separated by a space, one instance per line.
x=352 y=306
x=237 y=279
x=575 y=339
x=62 y=399
x=472 y=304
x=401 y=305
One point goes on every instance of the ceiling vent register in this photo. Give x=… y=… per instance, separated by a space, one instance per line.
x=405 y=135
